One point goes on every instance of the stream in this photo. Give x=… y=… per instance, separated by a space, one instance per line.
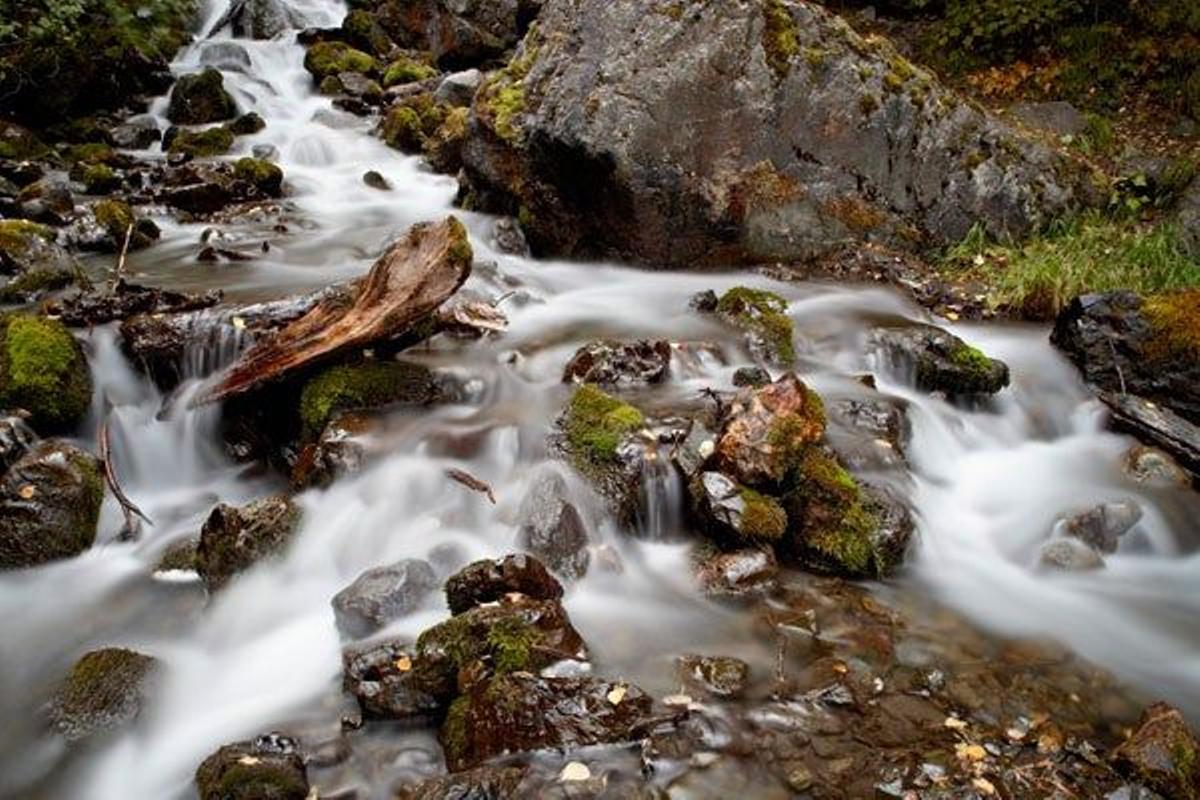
x=986 y=484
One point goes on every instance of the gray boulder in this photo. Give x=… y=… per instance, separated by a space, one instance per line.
x=234 y=539
x=740 y=132
x=458 y=88
x=201 y=98
x=49 y=505
x=942 y=362
x=1056 y=116
x=552 y=529
x=381 y=595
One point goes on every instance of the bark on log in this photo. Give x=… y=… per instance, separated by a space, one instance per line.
x=404 y=287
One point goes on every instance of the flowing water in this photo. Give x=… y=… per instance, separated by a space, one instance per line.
x=987 y=484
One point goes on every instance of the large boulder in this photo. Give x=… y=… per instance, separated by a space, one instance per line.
x=104 y=690
x=44 y=371
x=267 y=768
x=461 y=33
x=27 y=246
x=939 y=361
x=744 y=131
x=201 y=98
x=233 y=539
x=381 y=595
x=49 y=505
x=1163 y=753
x=552 y=529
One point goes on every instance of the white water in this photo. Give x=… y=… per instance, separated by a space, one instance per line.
x=987 y=485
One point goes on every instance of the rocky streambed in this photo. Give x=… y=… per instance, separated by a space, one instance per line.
x=362 y=499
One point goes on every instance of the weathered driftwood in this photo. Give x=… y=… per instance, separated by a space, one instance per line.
x=1157 y=426
x=128 y=508
x=404 y=287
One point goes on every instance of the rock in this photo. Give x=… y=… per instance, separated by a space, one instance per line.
x=201 y=98
x=206 y=188
x=268 y=768
x=1069 y=555
x=47 y=200
x=1124 y=343
x=247 y=124
x=179 y=555
x=97 y=307
x=108 y=223
x=1056 y=116
x=372 y=384
x=27 y=246
x=610 y=362
x=942 y=362
x=104 y=690
x=507 y=237
x=325 y=59
x=735 y=514
x=488 y=581
x=762 y=316
x=458 y=88
x=869 y=433
x=461 y=34
x=49 y=505
x=376 y=181
x=16 y=437
x=43 y=370
x=521 y=712
x=338 y=452
x=381 y=595
x=136 y=133
x=259 y=19
x=551 y=528
x=203 y=143
x=235 y=538
x=736 y=573
x=598 y=434
x=1102 y=527
x=751 y=376
x=388 y=681
x=766 y=429
x=718 y=676
x=1153 y=466
x=482 y=783
x=1163 y=753
x=263 y=175
x=705 y=302
x=357 y=85
x=799 y=152
x=1158 y=427
x=227 y=56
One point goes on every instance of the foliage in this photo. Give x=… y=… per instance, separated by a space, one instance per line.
x=596 y=423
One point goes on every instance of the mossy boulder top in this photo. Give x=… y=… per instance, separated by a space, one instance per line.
x=939 y=361
x=267 y=768
x=105 y=689
x=44 y=371
x=201 y=98
x=233 y=539
x=26 y=246
x=371 y=384
x=326 y=59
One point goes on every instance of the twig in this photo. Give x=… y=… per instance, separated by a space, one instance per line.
x=118 y=273
x=1116 y=364
x=471 y=482
x=110 y=477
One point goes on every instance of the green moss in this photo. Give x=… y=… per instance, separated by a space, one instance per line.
x=792 y=435
x=596 y=423
x=454 y=729
x=266 y=176
x=762 y=314
x=502 y=98
x=99 y=179
x=1174 y=326
x=34 y=282
x=781 y=39
x=115 y=216
x=763 y=519
x=838 y=526
x=208 y=142
x=366 y=385
x=403 y=130
x=460 y=252
x=849 y=543
x=511 y=641
x=973 y=359
x=42 y=369
x=17 y=236
x=330 y=58
x=868 y=103
x=816 y=57
x=407 y=70
x=251 y=777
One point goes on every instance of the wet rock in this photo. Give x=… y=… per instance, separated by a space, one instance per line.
x=179 y=555
x=43 y=370
x=200 y=98
x=382 y=595
x=692 y=451
x=388 y=682
x=869 y=433
x=376 y=181
x=751 y=376
x=942 y=362
x=718 y=676
x=247 y=124
x=460 y=34
x=107 y=224
x=97 y=307
x=228 y=56
x=551 y=528
x=735 y=514
x=233 y=539
x=762 y=316
x=16 y=437
x=736 y=573
x=521 y=712
x=482 y=783
x=799 y=152
x=49 y=505
x=610 y=362
x=263 y=175
x=136 y=133
x=1153 y=466
x=357 y=85
x=182 y=145
x=1163 y=753
x=325 y=59
x=1056 y=116
x=458 y=88
x=1159 y=427
x=507 y=237
x=27 y=246
x=705 y=302
x=258 y=19
x=338 y=452
x=765 y=430
x=488 y=581
x=1124 y=343
x=48 y=200
x=104 y=690
x=1069 y=555
x=1102 y=527
x=371 y=384
x=267 y=768
x=598 y=434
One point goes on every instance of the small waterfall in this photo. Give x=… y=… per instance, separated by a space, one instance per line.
x=661 y=499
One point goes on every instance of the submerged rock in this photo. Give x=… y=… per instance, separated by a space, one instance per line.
x=233 y=539
x=49 y=505
x=1163 y=753
x=43 y=370
x=799 y=151
x=381 y=595
x=736 y=573
x=609 y=362
x=488 y=581
x=200 y=98
x=942 y=362
x=719 y=676
x=482 y=783
x=1102 y=527
x=1159 y=427
x=520 y=712
x=104 y=690
x=1069 y=555
x=552 y=529
x=267 y=768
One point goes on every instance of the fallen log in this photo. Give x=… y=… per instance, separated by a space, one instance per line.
x=1156 y=426
x=404 y=287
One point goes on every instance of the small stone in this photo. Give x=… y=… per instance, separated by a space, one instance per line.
x=1069 y=555
x=376 y=181
x=382 y=595
x=575 y=771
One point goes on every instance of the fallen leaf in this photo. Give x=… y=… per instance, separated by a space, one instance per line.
x=970 y=752
x=616 y=695
x=248 y=761
x=575 y=771
x=677 y=700
x=404 y=663
x=239 y=323
x=27 y=491
x=955 y=724
x=984 y=786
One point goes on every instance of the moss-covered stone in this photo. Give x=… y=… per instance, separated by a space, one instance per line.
x=49 y=505
x=1174 y=321
x=103 y=690
x=833 y=525
x=444 y=147
x=781 y=40
x=43 y=370
x=264 y=175
x=201 y=98
x=20 y=143
x=247 y=124
x=233 y=539
x=501 y=98
x=91 y=153
x=763 y=518
x=402 y=129
x=368 y=385
x=414 y=124
x=99 y=179
x=269 y=768
x=34 y=282
x=330 y=58
x=407 y=70
x=19 y=238
x=762 y=315
x=596 y=422
x=203 y=143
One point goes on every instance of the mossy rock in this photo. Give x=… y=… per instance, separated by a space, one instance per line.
x=203 y=143
x=444 y=147
x=407 y=70
x=247 y=124
x=21 y=240
x=363 y=30
x=780 y=38
x=268 y=768
x=44 y=371
x=762 y=315
x=118 y=220
x=104 y=690
x=942 y=362
x=99 y=179
x=20 y=143
x=595 y=423
x=201 y=98
x=371 y=384
x=330 y=58
x=35 y=282
x=233 y=539
x=414 y=121
x=265 y=176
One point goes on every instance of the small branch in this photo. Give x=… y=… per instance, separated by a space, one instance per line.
x=119 y=272
x=472 y=483
x=1116 y=364
x=110 y=477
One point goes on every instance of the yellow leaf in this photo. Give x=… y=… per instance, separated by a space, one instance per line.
x=970 y=752
x=404 y=663
x=616 y=695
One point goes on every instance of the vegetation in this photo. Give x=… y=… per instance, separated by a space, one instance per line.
x=763 y=519
x=42 y=370
x=763 y=315
x=406 y=70
x=502 y=97
x=330 y=58
x=367 y=385
x=208 y=142
x=1175 y=326
x=596 y=423
x=781 y=41
x=838 y=530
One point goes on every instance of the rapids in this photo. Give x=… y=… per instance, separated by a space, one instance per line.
x=986 y=484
